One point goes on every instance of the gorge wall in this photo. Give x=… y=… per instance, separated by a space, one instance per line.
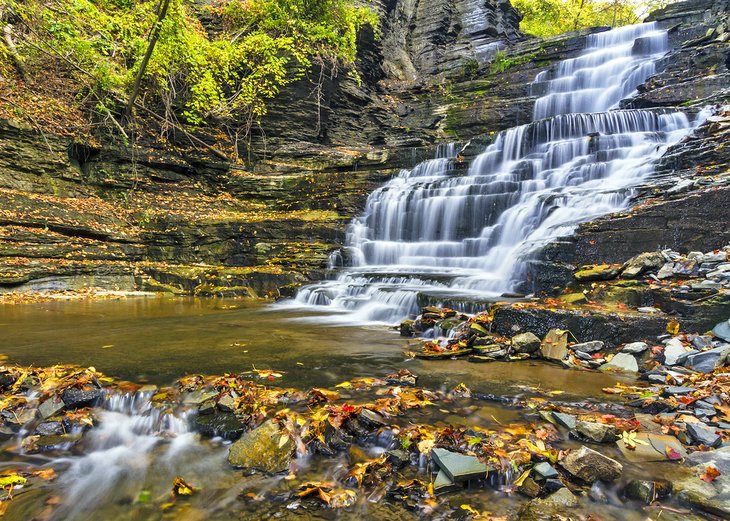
x=74 y=213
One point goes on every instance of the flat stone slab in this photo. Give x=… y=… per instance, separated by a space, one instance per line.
x=459 y=467
x=655 y=448
x=566 y=420
x=443 y=484
x=545 y=471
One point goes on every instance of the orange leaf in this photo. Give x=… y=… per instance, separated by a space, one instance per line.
x=710 y=474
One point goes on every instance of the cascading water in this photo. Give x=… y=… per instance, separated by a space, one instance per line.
x=433 y=234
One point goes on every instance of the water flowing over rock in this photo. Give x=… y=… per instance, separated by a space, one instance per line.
x=440 y=234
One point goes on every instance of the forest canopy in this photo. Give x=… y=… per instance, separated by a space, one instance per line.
x=159 y=53
x=545 y=18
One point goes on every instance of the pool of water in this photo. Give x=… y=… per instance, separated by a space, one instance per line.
x=158 y=339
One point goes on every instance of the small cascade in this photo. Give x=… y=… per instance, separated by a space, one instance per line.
x=132 y=441
x=438 y=234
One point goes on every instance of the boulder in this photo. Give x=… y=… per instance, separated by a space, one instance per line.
x=722 y=330
x=588 y=465
x=555 y=345
x=622 y=362
x=223 y=424
x=596 y=432
x=708 y=361
x=642 y=263
x=673 y=351
x=265 y=448
x=701 y=434
x=525 y=343
x=81 y=397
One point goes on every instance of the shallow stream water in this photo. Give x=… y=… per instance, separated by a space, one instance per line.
x=158 y=339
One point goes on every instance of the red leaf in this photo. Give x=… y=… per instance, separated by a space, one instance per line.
x=710 y=474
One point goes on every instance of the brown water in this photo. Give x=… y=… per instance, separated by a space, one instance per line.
x=159 y=339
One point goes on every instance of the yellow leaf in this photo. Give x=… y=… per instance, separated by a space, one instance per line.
x=673 y=327
x=519 y=481
x=12 y=479
x=283 y=440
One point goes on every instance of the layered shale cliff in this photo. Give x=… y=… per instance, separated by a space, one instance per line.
x=75 y=213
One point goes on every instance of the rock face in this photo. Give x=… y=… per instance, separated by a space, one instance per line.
x=261 y=449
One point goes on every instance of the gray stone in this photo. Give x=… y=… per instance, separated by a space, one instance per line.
x=200 y=396
x=443 y=484
x=710 y=497
x=642 y=263
x=582 y=355
x=701 y=434
x=545 y=471
x=51 y=407
x=722 y=330
x=372 y=418
x=590 y=466
x=671 y=390
x=459 y=467
x=566 y=420
x=263 y=448
x=708 y=361
x=702 y=342
x=589 y=347
x=596 y=432
x=555 y=345
x=635 y=347
x=623 y=362
x=525 y=343
x=227 y=403
x=718 y=458
x=666 y=271
x=673 y=350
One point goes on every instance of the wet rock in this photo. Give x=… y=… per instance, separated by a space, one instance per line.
x=372 y=419
x=529 y=488
x=588 y=465
x=406 y=328
x=544 y=470
x=57 y=441
x=398 y=458
x=719 y=458
x=459 y=467
x=710 y=497
x=701 y=434
x=262 y=449
x=647 y=491
x=200 y=396
x=7 y=380
x=622 y=362
x=51 y=407
x=551 y=485
x=635 y=347
x=81 y=397
x=224 y=424
x=672 y=390
x=708 y=361
x=49 y=428
x=555 y=345
x=549 y=507
x=566 y=420
x=595 y=432
x=597 y=272
x=227 y=403
x=589 y=347
x=443 y=484
x=597 y=493
x=642 y=263
x=492 y=350
x=206 y=408
x=583 y=356
x=525 y=343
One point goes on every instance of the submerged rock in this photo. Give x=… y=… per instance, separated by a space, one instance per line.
x=588 y=465
x=265 y=448
x=549 y=507
x=647 y=491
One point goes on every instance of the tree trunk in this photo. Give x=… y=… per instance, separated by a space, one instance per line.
x=143 y=66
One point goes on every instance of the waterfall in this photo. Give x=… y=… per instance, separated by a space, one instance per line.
x=436 y=234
